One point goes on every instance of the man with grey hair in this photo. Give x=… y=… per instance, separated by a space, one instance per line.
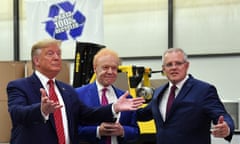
x=185 y=108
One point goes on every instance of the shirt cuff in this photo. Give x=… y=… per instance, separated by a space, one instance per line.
x=115 y=115
x=45 y=117
x=98 y=135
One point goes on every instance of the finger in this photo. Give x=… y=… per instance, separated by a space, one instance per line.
x=109 y=125
x=220 y=119
x=109 y=129
x=56 y=105
x=138 y=100
x=43 y=92
x=137 y=105
x=44 y=99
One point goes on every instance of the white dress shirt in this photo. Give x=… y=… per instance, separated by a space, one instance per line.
x=111 y=97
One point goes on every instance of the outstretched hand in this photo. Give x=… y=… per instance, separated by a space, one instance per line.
x=128 y=104
x=221 y=129
x=48 y=106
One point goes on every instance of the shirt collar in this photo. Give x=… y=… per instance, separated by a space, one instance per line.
x=42 y=78
x=180 y=84
x=100 y=86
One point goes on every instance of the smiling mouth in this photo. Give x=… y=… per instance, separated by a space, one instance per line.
x=174 y=73
x=56 y=64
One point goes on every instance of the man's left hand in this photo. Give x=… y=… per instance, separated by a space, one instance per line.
x=221 y=129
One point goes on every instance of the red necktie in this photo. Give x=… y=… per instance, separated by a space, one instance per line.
x=104 y=98
x=105 y=102
x=57 y=114
x=170 y=99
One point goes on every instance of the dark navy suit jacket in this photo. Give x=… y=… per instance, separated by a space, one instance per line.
x=28 y=124
x=87 y=132
x=190 y=117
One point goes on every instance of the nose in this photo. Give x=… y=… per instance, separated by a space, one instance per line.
x=174 y=65
x=109 y=70
x=56 y=55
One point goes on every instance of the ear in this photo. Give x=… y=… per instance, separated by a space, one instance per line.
x=187 y=65
x=36 y=60
x=163 y=69
x=94 y=68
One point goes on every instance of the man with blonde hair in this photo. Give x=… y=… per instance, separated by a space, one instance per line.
x=125 y=129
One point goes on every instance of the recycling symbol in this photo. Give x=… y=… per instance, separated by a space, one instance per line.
x=64 y=21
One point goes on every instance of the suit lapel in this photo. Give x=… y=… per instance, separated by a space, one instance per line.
x=118 y=93
x=158 y=94
x=92 y=93
x=184 y=90
x=182 y=94
x=35 y=85
x=62 y=91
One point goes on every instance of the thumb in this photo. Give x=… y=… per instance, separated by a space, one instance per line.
x=44 y=97
x=220 y=119
x=43 y=92
x=125 y=95
x=120 y=101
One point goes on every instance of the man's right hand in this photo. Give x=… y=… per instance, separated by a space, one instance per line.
x=128 y=104
x=48 y=106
